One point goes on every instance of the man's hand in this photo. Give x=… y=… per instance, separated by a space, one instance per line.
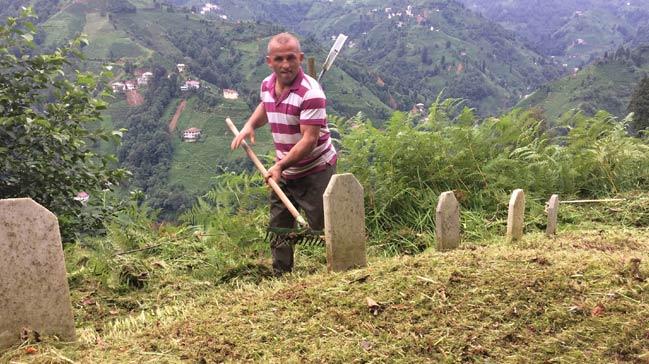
x=274 y=172
x=246 y=132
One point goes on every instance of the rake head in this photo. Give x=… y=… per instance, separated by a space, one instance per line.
x=282 y=236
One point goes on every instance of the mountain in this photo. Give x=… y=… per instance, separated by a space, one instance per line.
x=573 y=31
x=140 y=36
x=414 y=49
x=606 y=84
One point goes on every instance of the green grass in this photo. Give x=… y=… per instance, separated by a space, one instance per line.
x=106 y=42
x=602 y=86
x=63 y=26
x=195 y=164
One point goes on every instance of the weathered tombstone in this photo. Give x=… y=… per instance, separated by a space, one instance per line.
x=344 y=214
x=552 y=209
x=34 y=293
x=447 y=222
x=516 y=215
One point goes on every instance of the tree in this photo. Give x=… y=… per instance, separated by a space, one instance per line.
x=48 y=120
x=639 y=106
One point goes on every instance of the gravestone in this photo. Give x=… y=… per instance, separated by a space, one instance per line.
x=516 y=215
x=34 y=293
x=552 y=210
x=344 y=214
x=447 y=222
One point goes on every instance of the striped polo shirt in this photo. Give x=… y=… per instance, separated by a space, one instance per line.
x=303 y=103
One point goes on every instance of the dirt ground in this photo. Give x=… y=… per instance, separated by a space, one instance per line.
x=174 y=119
x=134 y=98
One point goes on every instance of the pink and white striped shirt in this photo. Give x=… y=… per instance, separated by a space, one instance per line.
x=303 y=103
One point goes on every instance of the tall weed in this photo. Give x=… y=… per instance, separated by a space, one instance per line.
x=405 y=166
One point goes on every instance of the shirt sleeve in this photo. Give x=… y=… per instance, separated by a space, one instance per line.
x=313 y=108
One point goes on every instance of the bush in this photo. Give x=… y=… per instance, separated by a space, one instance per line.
x=46 y=108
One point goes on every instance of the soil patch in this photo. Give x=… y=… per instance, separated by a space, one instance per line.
x=174 y=119
x=134 y=98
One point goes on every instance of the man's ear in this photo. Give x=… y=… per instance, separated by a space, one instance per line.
x=268 y=61
x=301 y=57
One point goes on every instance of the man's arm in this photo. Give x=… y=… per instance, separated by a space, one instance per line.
x=310 y=135
x=256 y=120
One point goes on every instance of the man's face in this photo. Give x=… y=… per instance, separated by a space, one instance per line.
x=284 y=60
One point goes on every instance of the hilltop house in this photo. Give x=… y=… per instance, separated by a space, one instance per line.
x=118 y=87
x=181 y=67
x=130 y=85
x=208 y=8
x=191 y=84
x=191 y=135
x=144 y=78
x=230 y=94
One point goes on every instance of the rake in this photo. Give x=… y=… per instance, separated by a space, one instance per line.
x=303 y=234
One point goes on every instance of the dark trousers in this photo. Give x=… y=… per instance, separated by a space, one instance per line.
x=305 y=193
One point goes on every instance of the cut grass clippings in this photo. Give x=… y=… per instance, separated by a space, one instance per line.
x=582 y=296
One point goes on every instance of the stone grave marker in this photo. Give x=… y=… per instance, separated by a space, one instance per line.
x=552 y=209
x=516 y=215
x=344 y=213
x=34 y=293
x=447 y=222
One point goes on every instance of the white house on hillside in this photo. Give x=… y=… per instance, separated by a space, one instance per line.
x=191 y=135
x=230 y=94
x=191 y=84
x=118 y=87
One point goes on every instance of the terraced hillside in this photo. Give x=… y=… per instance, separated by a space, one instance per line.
x=415 y=49
x=575 y=31
x=607 y=85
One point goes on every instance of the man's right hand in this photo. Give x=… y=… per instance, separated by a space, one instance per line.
x=246 y=132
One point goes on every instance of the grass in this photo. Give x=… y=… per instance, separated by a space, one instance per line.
x=195 y=164
x=63 y=26
x=582 y=295
x=606 y=86
x=107 y=42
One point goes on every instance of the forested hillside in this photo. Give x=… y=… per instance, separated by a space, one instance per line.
x=607 y=84
x=574 y=31
x=398 y=55
x=415 y=49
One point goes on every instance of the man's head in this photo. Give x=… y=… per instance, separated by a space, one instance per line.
x=284 y=57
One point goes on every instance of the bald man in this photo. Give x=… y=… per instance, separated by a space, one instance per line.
x=293 y=104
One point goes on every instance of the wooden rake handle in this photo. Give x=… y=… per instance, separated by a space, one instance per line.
x=282 y=196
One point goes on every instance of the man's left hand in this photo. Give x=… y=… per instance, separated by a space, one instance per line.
x=274 y=172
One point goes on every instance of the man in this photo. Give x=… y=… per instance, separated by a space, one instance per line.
x=293 y=103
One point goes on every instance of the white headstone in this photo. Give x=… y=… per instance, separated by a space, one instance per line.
x=552 y=209
x=447 y=222
x=34 y=293
x=516 y=215
x=344 y=213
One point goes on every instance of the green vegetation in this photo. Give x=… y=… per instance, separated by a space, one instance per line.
x=106 y=42
x=554 y=28
x=639 y=106
x=411 y=58
x=195 y=165
x=605 y=85
x=64 y=26
x=406 y=166
x=45 y=139
x=202 y=290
